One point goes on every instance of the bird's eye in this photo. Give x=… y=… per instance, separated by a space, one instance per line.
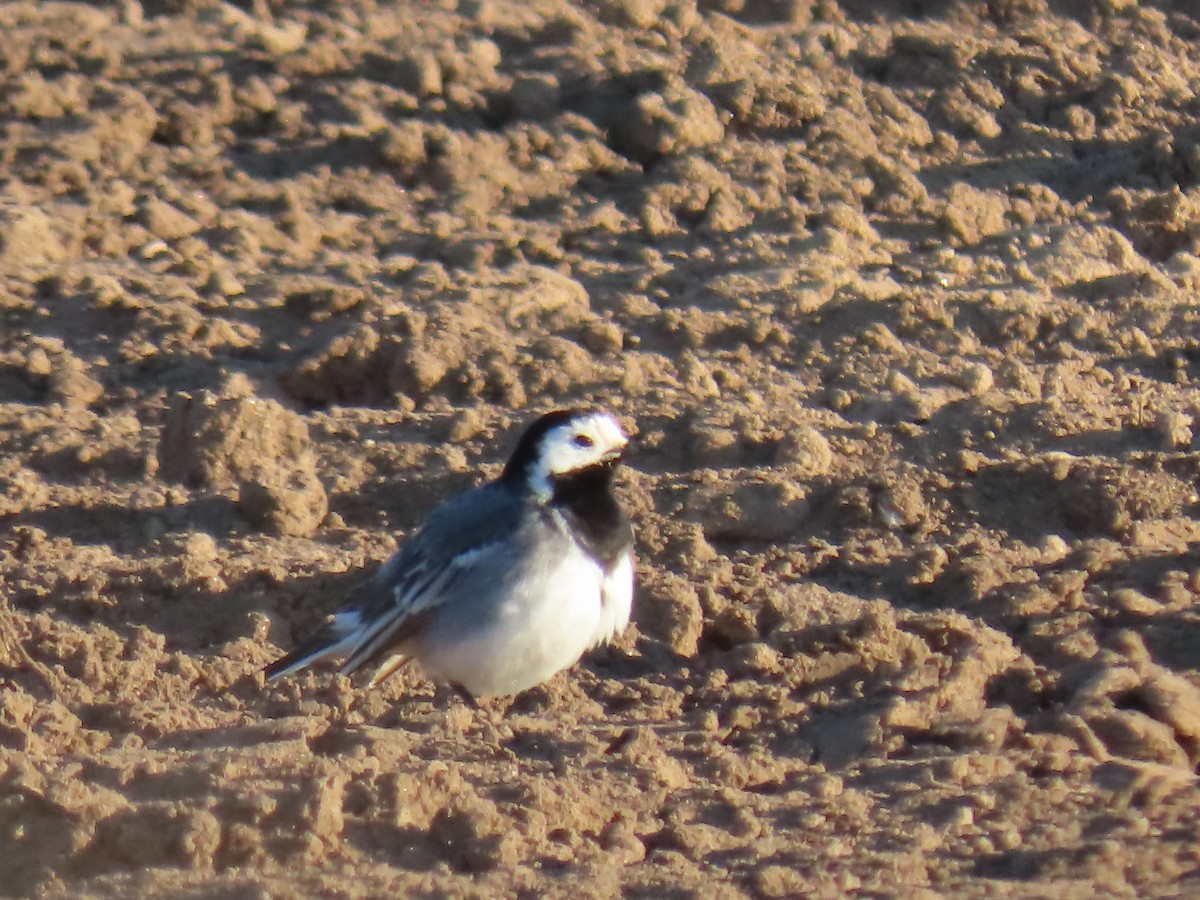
x=582 y=440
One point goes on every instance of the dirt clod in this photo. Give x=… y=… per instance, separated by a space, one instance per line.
x=216 y=441
x=292 y=503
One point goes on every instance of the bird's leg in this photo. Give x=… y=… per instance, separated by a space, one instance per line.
x=492 y=713
x=466 y=697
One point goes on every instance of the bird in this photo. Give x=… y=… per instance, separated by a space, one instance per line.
x=505 y=584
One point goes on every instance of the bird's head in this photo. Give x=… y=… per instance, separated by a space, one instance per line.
x=562 y=444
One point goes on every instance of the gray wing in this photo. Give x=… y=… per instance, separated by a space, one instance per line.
x=428 y=564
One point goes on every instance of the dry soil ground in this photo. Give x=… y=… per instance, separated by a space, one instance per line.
x=898 y=295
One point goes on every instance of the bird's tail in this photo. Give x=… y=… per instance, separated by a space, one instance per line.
x=337 y=638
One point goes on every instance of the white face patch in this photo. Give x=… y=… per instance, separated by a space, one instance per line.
x=575 y=444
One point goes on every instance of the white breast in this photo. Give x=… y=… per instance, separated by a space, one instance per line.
x=541 y=623
x=616 y=597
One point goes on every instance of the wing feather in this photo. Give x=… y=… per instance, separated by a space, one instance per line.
x=399 y=601
x=404 y=618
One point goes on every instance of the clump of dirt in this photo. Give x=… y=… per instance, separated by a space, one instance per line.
x=213 y=440
x=912 y=386
x=218 y=441
x=289 y=502
x=464 y=346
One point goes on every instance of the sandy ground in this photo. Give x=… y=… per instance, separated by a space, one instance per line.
x=899 y=297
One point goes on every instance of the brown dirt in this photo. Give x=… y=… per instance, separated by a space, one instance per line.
x=899 y=296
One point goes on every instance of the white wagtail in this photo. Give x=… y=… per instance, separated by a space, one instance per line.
x=504 y=584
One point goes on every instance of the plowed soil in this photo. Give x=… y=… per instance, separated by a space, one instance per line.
x=898 y=297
